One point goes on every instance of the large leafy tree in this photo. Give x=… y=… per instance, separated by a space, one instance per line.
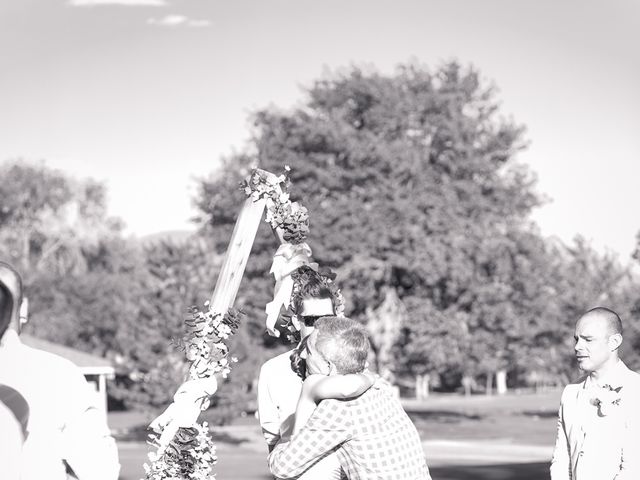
x=412 y=184
x=79 y=272
x=47 y=218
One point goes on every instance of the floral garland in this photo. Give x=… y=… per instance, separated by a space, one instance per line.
x=191 y=454
x=293 y=219
x=290 y=217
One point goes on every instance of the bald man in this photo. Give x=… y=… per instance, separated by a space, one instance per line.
x=598 y=422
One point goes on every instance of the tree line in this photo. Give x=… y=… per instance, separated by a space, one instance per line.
x=416 y=199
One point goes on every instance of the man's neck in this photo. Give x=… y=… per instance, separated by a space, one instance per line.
x=9 y=336
x=604 y=371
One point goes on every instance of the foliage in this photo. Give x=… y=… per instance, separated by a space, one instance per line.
x=48 y=218
x=175 y=276
x=190 y=453
x=413 y=184
x=191 y=457
x=289 y=217
x=410 y=179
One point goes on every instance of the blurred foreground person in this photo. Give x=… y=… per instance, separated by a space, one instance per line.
x=14 y=415
x=14 y=412
x=371 y=435
x=599 y=418
x=11 y=441
x=65 y=423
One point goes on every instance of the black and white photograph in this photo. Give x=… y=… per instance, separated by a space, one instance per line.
x=319 y=240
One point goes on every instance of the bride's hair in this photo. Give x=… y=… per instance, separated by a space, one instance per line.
x=309 y=284
x=298 y=365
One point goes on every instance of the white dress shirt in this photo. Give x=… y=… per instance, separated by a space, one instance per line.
x=278 y=392
x=11 y=440
x=599 y=445
x=65 y=422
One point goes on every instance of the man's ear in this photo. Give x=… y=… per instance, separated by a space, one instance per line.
x=332 y=368
x=24 y=313
x=615 y=341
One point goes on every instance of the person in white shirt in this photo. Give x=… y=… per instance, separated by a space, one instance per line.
x=599 y=421
x=14 y=411
x=11 y=441
x=66 y=427
x=279 y=386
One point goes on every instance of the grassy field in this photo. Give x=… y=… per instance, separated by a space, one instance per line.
x=527 y=419
x=479 y=438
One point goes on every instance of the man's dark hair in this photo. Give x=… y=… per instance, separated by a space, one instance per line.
x=10 y=294
x=311 y=284
x=614 y=322
x=6 y=308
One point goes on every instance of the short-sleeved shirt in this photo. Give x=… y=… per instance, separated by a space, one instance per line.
x=374 y=438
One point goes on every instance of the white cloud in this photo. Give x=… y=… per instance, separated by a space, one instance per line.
x=126 y=3
x=199 y=23
x=177 y=21
x=168 y=21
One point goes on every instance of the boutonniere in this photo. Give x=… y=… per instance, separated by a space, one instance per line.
x=606 y=398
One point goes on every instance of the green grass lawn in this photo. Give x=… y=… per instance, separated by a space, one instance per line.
x=528 y=420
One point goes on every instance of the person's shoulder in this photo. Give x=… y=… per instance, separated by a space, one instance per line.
x=380 y=391
x=278 y=363
x=631 y=372
x=50 y=362
x=632 y=377
x=572 y=387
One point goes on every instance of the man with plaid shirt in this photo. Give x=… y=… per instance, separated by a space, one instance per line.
x=371 y=434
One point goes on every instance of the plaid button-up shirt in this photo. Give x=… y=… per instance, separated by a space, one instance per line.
x=372 y=435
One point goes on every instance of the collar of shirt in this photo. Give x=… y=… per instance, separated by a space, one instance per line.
x=10 y=337
x=10 y=340
x=614 y=377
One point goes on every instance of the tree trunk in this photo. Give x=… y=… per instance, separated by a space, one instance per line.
x=422 y=387
x=466 y=383
x=425 y=386
x=489 y=384
x=26 y=252
x=501 y=382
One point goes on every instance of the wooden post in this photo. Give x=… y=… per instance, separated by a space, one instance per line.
x=235 y=260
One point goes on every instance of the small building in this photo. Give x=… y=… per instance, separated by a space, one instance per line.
x=95 y=369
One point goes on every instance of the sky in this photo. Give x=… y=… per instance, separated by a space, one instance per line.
x=148 y=95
